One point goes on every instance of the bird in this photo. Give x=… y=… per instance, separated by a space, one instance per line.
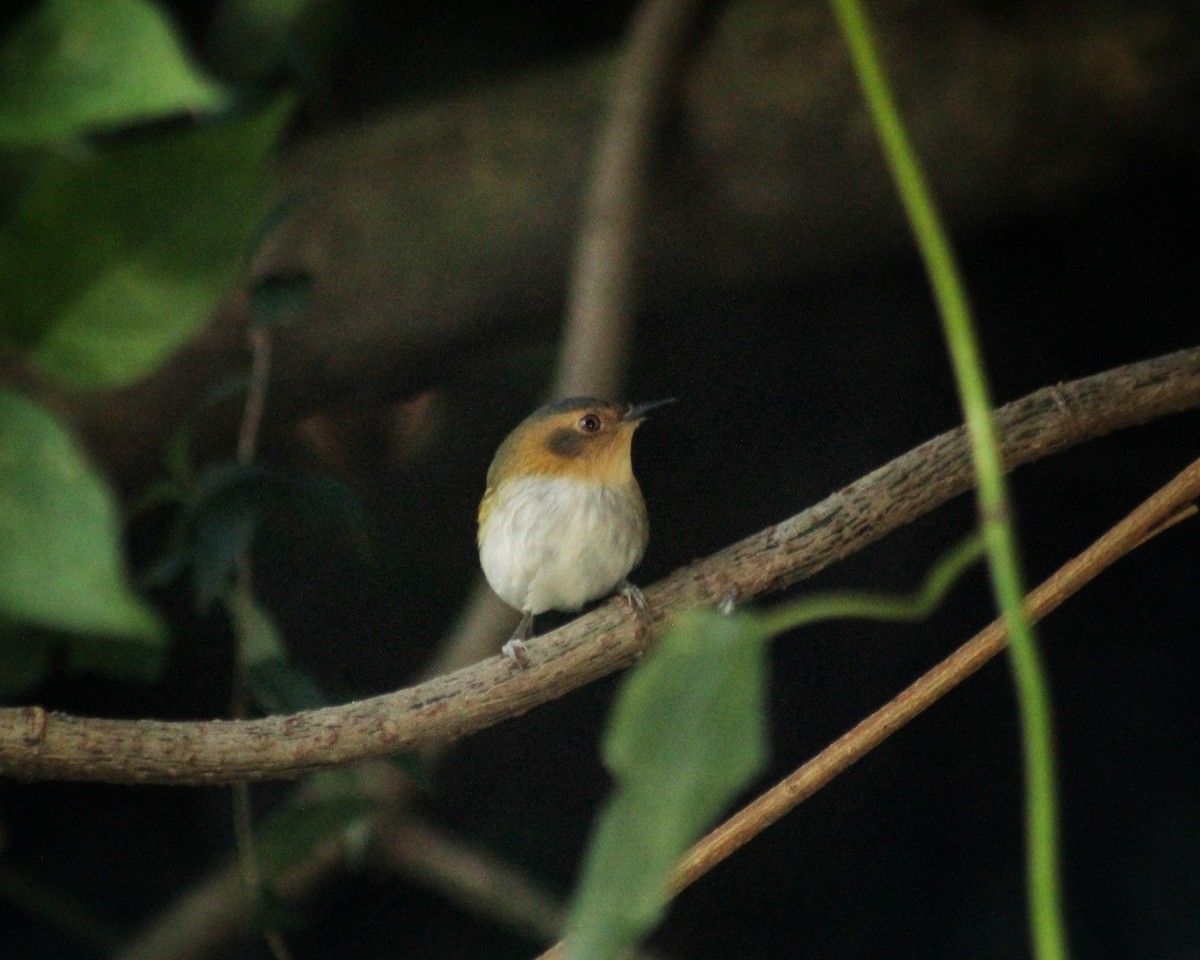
x=562 y=520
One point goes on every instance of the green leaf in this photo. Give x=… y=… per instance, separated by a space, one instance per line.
x=177 y=457
x=277 y=684
x=71 y=66
x=273 y=914
x=686 y=735
x=60 y=548
x=28 y=653
x=327 y=500
x=225 y=511
x=118 y=661
x=113 y=259
x=258 y=636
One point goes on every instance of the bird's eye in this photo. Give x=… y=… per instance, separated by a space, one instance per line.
x=589 y=423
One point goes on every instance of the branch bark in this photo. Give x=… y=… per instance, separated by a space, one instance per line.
x=35 y=744
x=601 y=296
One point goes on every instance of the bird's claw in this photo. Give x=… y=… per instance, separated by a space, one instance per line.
x=516 y=651
x=635 y=598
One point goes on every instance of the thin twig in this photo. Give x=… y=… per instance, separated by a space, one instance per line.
x=1168 y=506
x=466 y=876
x=256 y=396
x=247 y=448
x=594 y=348
x=1043 y=866
x=36 y=745
x=601 y=289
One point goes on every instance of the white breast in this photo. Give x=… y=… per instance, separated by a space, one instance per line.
x=555 y=544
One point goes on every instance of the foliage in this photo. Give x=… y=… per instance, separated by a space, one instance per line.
x=61 y=565
x=685 y=736
x=1043 y=888
x=73 y=67
x=662 y=800
x=687 y=733
x=135 y=186
x=60 y=528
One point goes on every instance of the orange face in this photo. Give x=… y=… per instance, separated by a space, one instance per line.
x=581 y=438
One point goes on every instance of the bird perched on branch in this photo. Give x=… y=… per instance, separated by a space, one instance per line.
x=562 y=520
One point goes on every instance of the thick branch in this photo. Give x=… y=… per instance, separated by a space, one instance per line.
x=439 y=232
x=35 y=744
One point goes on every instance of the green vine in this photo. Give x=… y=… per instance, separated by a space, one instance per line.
x=1044 y=888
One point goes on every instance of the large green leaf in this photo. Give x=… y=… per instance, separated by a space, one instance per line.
x=71 y=66
x=277 y=683
x=112 y=259
x=60 y=551
x=687 y=734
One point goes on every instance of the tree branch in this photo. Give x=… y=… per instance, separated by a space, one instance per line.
x=601 y=292
x=216 y=910
x=438 y=232
x=482 y=884
x=35 y=744
x=1173 y=502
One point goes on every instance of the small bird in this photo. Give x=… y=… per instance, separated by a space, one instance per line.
x=562 y=520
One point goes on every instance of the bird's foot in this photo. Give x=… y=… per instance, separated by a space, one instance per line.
x=635 y=598
x=515 y=649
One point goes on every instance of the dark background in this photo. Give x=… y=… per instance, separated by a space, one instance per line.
x=788 y=388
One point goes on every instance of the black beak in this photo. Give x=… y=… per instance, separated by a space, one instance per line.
x=639 y=410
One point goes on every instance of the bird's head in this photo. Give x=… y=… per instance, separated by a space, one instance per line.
x=582 y=438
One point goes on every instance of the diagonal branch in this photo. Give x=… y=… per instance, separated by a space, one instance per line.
x=1172 y=503
x=35 y=744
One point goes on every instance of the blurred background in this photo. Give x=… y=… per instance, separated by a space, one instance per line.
x=431 y=181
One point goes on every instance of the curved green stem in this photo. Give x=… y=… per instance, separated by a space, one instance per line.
x=868 y=606
x=1044 y=894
